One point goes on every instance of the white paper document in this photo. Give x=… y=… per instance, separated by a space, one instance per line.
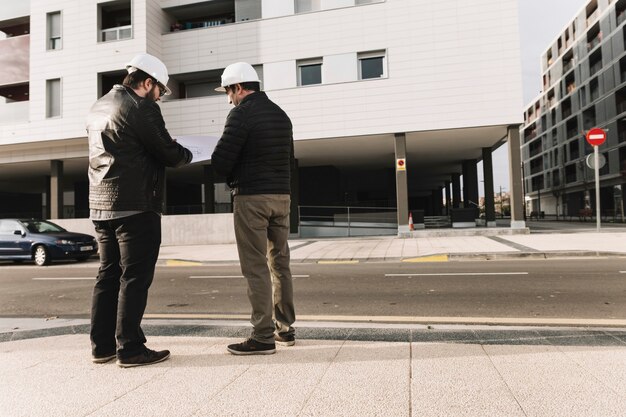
x=200 y=146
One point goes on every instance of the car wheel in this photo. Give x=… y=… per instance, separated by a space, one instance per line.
x=41 y=256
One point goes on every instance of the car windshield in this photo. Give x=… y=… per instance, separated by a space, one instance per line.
x=40 y=226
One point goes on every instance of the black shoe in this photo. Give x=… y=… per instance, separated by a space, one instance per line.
x=147 y=357
x=252 y=347
x=285 y=339
x=102 y=358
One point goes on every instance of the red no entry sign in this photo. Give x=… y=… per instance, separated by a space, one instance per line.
x=596 y=136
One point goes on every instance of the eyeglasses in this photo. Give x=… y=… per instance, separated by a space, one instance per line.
x=162 y=89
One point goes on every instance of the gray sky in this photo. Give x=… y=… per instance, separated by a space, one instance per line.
x=540 y=22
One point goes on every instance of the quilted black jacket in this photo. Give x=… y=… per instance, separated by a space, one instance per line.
x=255 y=152
x=129 y=148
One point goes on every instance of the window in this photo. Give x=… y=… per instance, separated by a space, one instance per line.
x=7 y=227
x=54 y=31
x=371 y=65
x=53 y=98
x=114 y=20
x=107 y=80
x=310 y=71
x=303 y=6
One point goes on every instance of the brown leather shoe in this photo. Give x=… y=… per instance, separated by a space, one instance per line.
x=147 y=357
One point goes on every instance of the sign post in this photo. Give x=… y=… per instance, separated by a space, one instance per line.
x=596 y=137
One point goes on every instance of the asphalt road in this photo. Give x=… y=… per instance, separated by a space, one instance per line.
x=574 y=288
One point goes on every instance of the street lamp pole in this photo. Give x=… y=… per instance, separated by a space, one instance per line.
x=501 y=207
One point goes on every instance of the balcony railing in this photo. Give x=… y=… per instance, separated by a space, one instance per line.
x=594 y=42
x=595 y=68
x=592 y=17
x=567 y=112
x=568 y=66
x=115 y=34
x=15 y=69
x=14 y=113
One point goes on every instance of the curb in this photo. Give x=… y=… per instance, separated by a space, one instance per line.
x=487 y=256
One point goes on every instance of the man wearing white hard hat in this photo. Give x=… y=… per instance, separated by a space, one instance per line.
x=129 y=148
x=255 y=154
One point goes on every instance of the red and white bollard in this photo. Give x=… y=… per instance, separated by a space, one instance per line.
x=411 y=227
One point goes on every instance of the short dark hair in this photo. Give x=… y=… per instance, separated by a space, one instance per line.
x=136 y=78
x=251 y=85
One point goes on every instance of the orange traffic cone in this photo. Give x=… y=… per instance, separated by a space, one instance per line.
x=411 y=227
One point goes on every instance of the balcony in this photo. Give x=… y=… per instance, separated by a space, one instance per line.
x=188 y=116
x=14 y=113
x=594 y=42
x=592 y=17
x=116 y=34
x=16 y=69
x=568 y=66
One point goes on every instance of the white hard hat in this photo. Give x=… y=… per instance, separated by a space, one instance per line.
x=239 y=72
x=152 y=66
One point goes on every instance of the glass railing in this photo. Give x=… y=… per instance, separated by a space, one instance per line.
x=594 y=42
x=568 y=66
x=116 y=34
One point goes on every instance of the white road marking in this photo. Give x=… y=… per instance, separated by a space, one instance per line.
x=622 y=272
x=65 y=279
x=457 y=274
x=232 y=276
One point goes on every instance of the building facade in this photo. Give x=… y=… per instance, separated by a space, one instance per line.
x=367 y=83
x=584 y=86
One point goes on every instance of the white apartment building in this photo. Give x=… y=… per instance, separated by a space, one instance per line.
x=367 y=83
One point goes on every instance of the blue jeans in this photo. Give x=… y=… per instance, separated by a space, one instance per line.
x=129 y=248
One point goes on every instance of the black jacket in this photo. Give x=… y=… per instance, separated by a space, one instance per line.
x=129 y=149
x=255 y=152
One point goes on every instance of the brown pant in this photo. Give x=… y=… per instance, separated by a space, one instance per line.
x=261 y=230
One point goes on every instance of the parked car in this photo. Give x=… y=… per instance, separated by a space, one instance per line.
x=42 y=241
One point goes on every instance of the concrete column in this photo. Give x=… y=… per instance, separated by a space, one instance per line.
x=490 y=210
x=402 y=192
x=470 y=183
x=208 y=189
x=515 y=174
x=448 y=203
x=294 y=217
x=456 y=190
x=56 y=189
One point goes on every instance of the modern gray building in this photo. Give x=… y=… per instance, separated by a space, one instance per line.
x=584 y=86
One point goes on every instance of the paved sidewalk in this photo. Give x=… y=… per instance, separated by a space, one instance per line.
x=331 y=371
x=455 y=246
x=335 y=369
